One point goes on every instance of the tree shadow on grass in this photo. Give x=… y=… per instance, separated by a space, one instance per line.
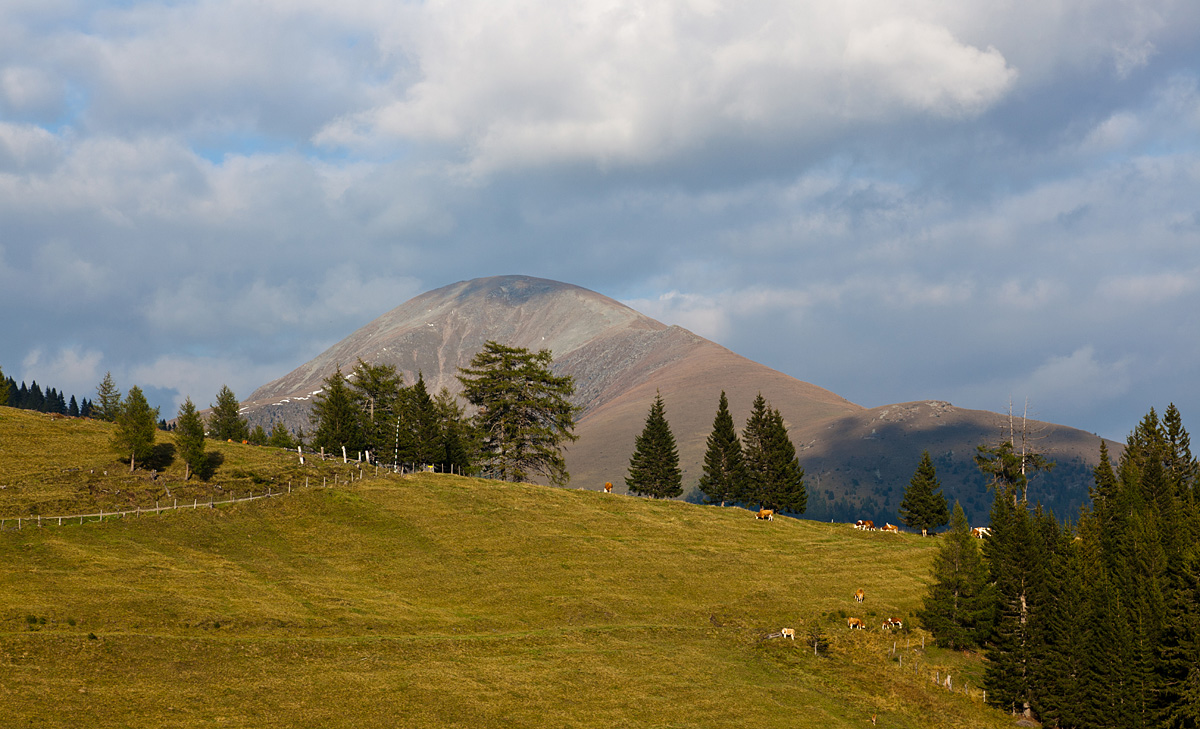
x=212 y=461
x=162 y=456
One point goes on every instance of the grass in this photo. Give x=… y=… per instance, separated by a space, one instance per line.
x=442 y=601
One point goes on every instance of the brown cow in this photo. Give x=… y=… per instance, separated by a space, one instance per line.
x=981 y=532
x=856 y=624
x=892 y=623
x=865 y=525
x=859 y=595
x=768 y=514
x=789 y=633
x=608 y=487
x=890 y=528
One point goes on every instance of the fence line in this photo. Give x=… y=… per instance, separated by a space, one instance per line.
x=22 y=521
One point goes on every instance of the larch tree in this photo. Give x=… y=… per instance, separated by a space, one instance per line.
x=523 y=412
x=137 y=424
x=378 y=391
x=923 y=506
x=654 y=465
x=189 y=439
x=225 y=421
x=724 y=477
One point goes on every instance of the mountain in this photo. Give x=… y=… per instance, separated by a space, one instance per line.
x=858 y=461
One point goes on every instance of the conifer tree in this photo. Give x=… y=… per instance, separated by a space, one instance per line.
x=108 y=399
x=524 y=416
x=775 y=479
x=189 y=439
x=258 y=436
x=923 y=507
x=136 y=427
x=73 y=408
x=379 y=395
x=336 y=416
x=280 y=437
x=1012 y=562
x=3 y=389
x=225 y=421
x=724 y=477
x=458 y=442
x=423 y=425
x=958 y=607
x=654 y=465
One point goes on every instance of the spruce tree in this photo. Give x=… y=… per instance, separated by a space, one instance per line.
x=73 y=408
x=108 y=399
x=458 y=442
x=654 y=465
x=258 y=436
x=280 y=437
x=189 y=439
x=136 y=428
x=225 y=421
x=923 y=507
x=957 y=609
x=3 y=389
x=724 y=477
x=1012 y=562
x=775 y=479
x=524 y=416
x=336 y=416
x=423 y=425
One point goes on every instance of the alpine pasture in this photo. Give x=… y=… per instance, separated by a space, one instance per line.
x=370 y=599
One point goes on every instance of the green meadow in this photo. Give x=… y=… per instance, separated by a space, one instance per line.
x=378 y=600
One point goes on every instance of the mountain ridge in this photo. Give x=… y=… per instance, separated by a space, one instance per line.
x=620 y=359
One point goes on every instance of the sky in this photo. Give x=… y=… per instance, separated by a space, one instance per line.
x=980 y=202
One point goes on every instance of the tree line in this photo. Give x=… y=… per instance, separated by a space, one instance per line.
x=33 y=397
x=1091 y=625
x=758 y=469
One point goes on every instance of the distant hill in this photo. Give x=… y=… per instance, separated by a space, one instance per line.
x=857 y=461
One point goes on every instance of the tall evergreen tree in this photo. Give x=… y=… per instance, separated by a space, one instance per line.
x=458 y=442
x=258 y=436
x=189 y=439
x=724 y=477
x=775 y=479
x=423 y=425
x=108 y=399
x=3 y=389
x=923 y=507
x=379 y=395
x=336 y=416
x=958 y=607
x=225 y=421
x=524 y=415
x=1012 y=564
x=654 y=465
x=73 y=408
x=136 y=428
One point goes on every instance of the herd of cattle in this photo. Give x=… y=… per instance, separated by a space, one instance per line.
x=860 y=595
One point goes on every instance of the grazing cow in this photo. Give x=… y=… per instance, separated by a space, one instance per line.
x=859 y=595
x=892 y=623
x=789 y=633
x=890 y=528
x=856 y=624
x=981 y=532
x=608 y=487
x=865 y=525
x=768 y=514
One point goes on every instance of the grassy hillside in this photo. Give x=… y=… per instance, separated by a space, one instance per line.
x=442 y=601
